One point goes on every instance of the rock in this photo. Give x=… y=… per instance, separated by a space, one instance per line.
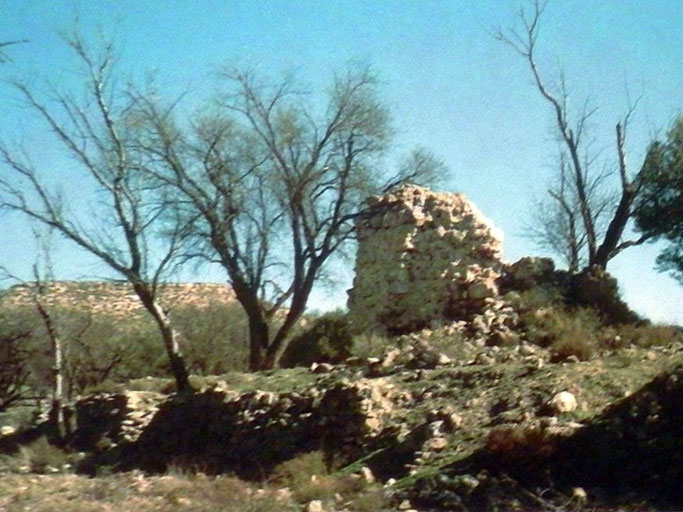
x=484 y=359
x=391 y=357
x=315 y=506
x=465 y=483
x=366 y=475
x=435 y=444
x=563 y=402
x=529 y=272
x=525 y=349
x=321 y=368
x=7 y=430
x=504 y=337
x=579 y=495
x=283 y=494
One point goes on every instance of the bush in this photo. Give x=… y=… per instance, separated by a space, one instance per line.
x=308 y=478
x=14 y=364
x=327 y=340
x=566 y=332
x=371 y=344
x=215 y=338
x=641 y=336
x=39 y=456
x=594 y=288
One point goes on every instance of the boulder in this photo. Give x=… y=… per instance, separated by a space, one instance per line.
x=563 y=402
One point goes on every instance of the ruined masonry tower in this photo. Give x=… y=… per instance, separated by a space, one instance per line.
x=422 y=257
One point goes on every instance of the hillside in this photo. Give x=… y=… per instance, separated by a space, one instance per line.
x=485 y=428
x=116 y=298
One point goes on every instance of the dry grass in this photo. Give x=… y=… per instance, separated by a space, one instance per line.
x=133 y=491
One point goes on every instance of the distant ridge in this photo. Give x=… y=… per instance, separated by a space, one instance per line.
x=117 y=298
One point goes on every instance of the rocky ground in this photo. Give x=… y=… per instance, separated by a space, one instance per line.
x=478 y=428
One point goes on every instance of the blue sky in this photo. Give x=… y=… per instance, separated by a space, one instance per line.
x=451 y=86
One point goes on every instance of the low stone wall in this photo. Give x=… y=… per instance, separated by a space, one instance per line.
x=422 y=257
x=225 y=430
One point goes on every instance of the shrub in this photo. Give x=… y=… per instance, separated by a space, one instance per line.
x=594 y=288
x=14 y=366
x=308 y=478
x=370 y=344
x=520 y=444
x=567 y=332
x=300 y=469
x=327 y=340
x=641 y=336
x=214 y=337
x=39 y=456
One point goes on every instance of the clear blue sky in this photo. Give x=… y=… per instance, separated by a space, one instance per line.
x=451 y=86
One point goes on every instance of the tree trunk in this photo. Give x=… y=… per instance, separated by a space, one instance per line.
x=615 y=230
x=57 y=420
x=170 y=339
x=258 y=341
x=296 y=309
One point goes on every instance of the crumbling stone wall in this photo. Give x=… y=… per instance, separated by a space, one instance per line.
x=422 y=257
x=244 y=432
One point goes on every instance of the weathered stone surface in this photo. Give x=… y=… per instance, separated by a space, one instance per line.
x=563 y=402
x=422 y=256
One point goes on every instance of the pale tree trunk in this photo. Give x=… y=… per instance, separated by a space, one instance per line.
x=169 y=337
x=58 y=421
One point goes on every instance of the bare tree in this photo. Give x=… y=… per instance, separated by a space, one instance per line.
x=37 y=290
x=278 y=184
x=4 y=44
x=94 y=128
x=580 y=185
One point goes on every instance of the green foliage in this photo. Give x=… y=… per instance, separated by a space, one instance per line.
x=659 y=211
x=596 y=289
x=370 y=344
x=308 y=478
x=645 y=336
x=299 y=470
x=39 y=456
x=584 y=332
x=215 y=338
x=569 y=332
x=104 y=350
x=14 y=361
x=168 y=493
x=327 y=340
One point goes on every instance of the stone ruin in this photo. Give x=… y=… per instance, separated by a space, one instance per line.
x=423 y=258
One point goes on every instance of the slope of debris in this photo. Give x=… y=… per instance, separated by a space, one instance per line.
x=488 y=426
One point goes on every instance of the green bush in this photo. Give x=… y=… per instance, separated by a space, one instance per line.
x=39 y=456
x=308 y=478
x=327 y=340
x=645 y=336
x=215 y=338
x=370 y=344
x=567 y=332
x=596 y=289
